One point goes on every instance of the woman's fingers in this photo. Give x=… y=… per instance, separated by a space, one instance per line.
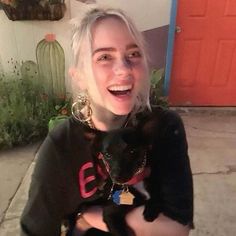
x=93 y=215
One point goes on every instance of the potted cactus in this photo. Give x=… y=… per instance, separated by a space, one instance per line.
x=33 y=9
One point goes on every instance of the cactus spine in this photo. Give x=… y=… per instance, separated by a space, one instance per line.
x=51 y=64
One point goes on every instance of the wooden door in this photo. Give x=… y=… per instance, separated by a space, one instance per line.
x=204 y=63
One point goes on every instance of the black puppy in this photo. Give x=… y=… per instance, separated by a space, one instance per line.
x=124 y=157
x=158 y=142
x=120 y=157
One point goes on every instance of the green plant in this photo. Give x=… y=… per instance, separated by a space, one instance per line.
x=157 y=88
x=25 y=109
x=63 y=110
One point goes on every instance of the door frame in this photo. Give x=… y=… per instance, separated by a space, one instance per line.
x=170 y=46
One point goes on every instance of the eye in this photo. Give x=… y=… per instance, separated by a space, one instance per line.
x=107 y=155
x=104 y=57
x=134 y=54
x=132 y=151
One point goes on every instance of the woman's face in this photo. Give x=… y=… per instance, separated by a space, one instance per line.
x=118 y=66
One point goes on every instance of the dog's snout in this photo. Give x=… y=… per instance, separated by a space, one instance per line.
x=116 y=171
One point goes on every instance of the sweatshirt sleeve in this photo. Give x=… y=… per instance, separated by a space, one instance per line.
x=172 y=171
x=44 y=211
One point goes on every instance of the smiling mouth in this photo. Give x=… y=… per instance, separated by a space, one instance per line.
x=120 y=90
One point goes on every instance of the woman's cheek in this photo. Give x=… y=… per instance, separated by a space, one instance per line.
x=103 y=70
x=142 y=74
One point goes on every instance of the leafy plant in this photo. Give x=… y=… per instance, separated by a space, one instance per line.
x=157 y=88
x=25 y=110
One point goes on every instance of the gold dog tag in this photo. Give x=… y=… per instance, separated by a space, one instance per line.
x=126 y=198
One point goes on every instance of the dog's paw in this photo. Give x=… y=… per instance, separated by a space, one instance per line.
x=150 y=212
x=114 y=217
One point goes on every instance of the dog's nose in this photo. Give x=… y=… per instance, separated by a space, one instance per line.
x=116 y=170
x=116 y=173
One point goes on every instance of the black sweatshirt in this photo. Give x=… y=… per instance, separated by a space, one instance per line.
x=65 y=175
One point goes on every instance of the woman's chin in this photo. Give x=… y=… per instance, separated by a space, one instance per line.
x=122 y=110
x=121 y=105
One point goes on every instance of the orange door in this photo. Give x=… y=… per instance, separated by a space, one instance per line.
x=204 y=63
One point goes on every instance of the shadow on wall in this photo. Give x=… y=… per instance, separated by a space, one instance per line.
x=157 y=39
x=157 y=46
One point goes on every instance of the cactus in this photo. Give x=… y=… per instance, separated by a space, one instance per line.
x=51 y=64
x=29 y=70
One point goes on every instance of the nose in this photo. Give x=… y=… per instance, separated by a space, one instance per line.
x=122 y=67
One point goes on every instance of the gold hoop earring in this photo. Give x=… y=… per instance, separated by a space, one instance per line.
x=81 y=109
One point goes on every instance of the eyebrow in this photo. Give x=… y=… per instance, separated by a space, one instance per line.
x=111 y=49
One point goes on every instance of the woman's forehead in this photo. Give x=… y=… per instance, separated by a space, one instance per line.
x=112 y=30
x=109 y=25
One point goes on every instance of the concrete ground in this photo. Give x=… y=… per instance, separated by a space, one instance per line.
x=13 y=166
x=212 y=148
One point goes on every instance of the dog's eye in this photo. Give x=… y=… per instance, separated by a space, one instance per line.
x=107 y=155
x=132 y=151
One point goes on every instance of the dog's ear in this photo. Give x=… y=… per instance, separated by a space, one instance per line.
x=131 y=136
x=136 y=136
x=95 y=138
x=147 y=129
x=99 y=140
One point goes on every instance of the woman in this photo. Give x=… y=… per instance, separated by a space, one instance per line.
x=111 y=73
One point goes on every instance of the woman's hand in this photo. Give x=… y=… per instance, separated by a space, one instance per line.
x=93 y=215
x=162 y=226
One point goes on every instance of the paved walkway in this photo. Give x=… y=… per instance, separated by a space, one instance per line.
x=212 y=148
x=13 y=167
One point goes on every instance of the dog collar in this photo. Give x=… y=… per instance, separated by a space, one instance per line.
x=139 y=177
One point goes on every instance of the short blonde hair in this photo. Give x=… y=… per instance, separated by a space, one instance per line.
x=82 y=44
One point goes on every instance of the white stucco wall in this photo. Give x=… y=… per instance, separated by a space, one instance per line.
x=18 y=39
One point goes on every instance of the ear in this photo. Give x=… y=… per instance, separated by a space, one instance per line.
x=98 y=140
x=147 y=129
x=77 y=79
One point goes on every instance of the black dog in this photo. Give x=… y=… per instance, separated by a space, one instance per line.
x=125 y=153
x=121 y=157
x=158 y=142
x=124 y=157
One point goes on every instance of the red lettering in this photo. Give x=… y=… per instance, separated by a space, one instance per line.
x=85 y=180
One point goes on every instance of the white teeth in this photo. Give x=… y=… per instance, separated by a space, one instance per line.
x=120 y=87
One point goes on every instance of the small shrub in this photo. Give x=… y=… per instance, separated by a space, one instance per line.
x=25 y=110
x=157 y=97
